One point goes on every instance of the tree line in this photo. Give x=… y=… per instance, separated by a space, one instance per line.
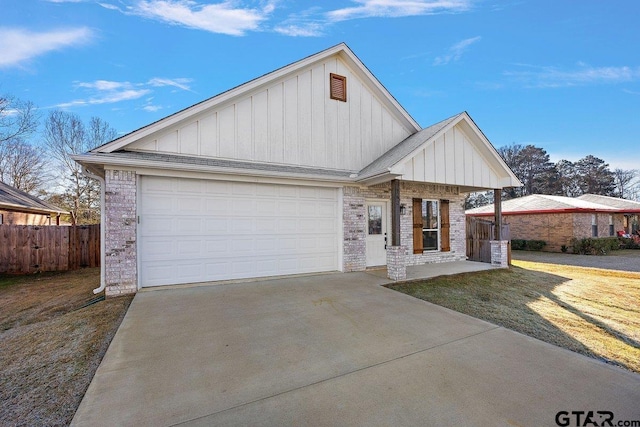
x=35 y=156
x=539 y=175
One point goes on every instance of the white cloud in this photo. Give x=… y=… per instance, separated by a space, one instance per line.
x=152 y=108
x=455 y=52
x=110 y=6
x=398 y=8
x=180 y=83
x=111 y=92
x=223 y=18
x=310 y=29
x=104 y=85
x=553 y=77
x=19 y=45
x=108 y=98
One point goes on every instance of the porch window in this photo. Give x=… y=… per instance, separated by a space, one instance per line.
x=375 y=220
x=430 y=225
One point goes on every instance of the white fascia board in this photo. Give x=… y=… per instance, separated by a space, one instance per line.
x=377 y=178
x=385 y=96
x=493 y=154
x=139 y=164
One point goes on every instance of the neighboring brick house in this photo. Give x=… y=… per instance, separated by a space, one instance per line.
x=558 y=219
x=20 y=208
x=311 y=168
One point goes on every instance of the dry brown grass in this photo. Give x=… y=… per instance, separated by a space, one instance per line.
x=50 y=347
x=591 y=311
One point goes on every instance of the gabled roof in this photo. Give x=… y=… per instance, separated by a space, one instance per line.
x=400 y=152
x=342 y=50
x=390 y=164
x=17 y=200
x=542 y=203
x=611 y=201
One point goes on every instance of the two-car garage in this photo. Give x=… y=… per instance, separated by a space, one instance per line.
x=197 y=230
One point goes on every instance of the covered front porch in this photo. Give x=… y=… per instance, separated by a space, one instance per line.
x=424 y=180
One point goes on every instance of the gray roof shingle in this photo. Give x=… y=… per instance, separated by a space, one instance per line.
x=13 y=198
x=227 y=164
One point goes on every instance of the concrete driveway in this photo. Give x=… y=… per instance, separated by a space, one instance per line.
x=333 y=350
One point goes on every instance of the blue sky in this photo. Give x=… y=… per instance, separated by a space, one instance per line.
x=563 y=75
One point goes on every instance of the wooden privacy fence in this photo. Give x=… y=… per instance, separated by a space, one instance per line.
x=480 y=233
x=31 y=248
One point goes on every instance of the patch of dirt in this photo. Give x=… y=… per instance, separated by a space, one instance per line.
x=50 y=347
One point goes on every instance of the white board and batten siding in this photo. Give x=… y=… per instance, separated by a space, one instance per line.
x=194 y=230
x=450 y=159
x=293 y=121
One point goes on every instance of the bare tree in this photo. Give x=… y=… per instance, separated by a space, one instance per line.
x=624 y=182
x=22 y=165
x=65 y=134
x=17 y=118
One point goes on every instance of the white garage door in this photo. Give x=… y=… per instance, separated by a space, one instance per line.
x=199 y=230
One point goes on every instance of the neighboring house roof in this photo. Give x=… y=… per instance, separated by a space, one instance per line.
x=615 y=202
x=542 y=203
x=17 y=200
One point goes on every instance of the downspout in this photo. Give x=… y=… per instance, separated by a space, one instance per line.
x=103 y=268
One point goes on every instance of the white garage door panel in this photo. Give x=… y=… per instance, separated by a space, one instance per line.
x=196 y=230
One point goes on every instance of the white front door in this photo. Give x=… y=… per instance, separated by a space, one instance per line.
x=376 y=228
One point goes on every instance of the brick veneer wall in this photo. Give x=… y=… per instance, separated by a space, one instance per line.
x=555 y=229
x=558 y=229
x=582 y=224
x=355 y=227
x=120 y=228
x=458 y=252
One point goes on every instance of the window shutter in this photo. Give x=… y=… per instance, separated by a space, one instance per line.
x=445 y=245
x=417 y=227
x=338 y=87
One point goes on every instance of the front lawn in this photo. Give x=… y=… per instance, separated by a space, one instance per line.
x=591 y=311
x=50 y=346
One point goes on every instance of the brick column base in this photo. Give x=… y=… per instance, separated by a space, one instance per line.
x=396 y=263
x=499 y=253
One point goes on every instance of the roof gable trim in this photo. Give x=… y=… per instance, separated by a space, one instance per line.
x=342 y=50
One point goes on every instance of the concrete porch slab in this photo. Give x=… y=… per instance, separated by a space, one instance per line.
x=427 y=271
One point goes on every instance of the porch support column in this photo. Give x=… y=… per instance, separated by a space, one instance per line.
x=395 y=213
x=396 y=257
x=499 y=247
x=497 y=204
